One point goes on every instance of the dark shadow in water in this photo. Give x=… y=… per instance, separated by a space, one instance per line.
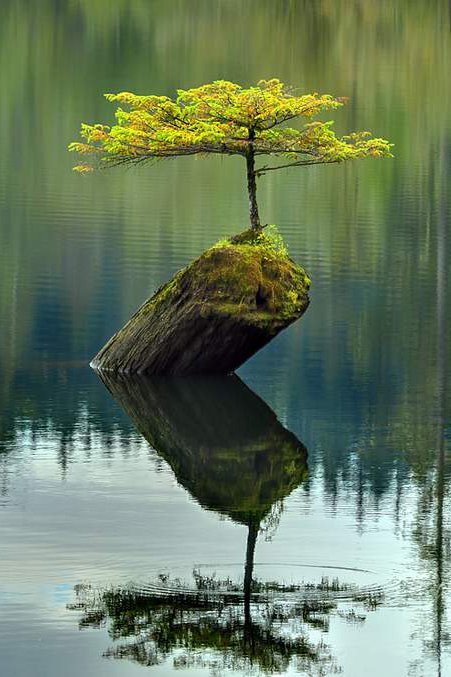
x=227 y=448
x=223 y=443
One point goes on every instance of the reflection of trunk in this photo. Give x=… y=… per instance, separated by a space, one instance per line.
x=252 y=185
x=441 y=397
x=439 y=603
x=248 y=569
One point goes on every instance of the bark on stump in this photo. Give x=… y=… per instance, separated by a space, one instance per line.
x=213 y=315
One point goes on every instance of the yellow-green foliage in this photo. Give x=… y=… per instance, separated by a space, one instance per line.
x=223 y=118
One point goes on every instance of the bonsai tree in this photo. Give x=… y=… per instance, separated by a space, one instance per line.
x=224 y=118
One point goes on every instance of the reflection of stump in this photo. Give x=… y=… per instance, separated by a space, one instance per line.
x=224 y=444
x=212 y=316
x=227 y=448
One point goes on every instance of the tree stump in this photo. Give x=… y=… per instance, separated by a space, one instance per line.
x=212 y=315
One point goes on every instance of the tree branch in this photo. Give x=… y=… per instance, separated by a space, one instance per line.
x=116 y=160
x=300 y=163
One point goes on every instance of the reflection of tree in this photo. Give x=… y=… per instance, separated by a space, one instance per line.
x=208 y=629
x=224 y=444
x=432 y=531
x=227 y=448
x=440 y=538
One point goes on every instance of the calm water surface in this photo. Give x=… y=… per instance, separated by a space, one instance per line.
x=294 y=519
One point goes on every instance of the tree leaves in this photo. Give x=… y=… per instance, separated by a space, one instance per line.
x=224 y=118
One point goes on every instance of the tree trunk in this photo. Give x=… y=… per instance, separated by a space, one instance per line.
x=252 y=184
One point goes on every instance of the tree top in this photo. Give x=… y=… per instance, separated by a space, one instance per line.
x=226 y=119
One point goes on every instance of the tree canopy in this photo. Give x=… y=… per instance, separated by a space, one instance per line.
x=226 y=119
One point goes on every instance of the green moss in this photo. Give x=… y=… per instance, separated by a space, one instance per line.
x=249 y=274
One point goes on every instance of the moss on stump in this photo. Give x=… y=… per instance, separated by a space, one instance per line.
x=214 y=314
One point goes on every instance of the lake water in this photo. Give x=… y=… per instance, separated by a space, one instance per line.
x=128 y=511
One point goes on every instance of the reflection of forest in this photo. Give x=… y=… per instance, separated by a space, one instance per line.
x=432 y=532
x=205 y=429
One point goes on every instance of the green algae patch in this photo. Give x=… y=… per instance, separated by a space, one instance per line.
x=215 y=313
